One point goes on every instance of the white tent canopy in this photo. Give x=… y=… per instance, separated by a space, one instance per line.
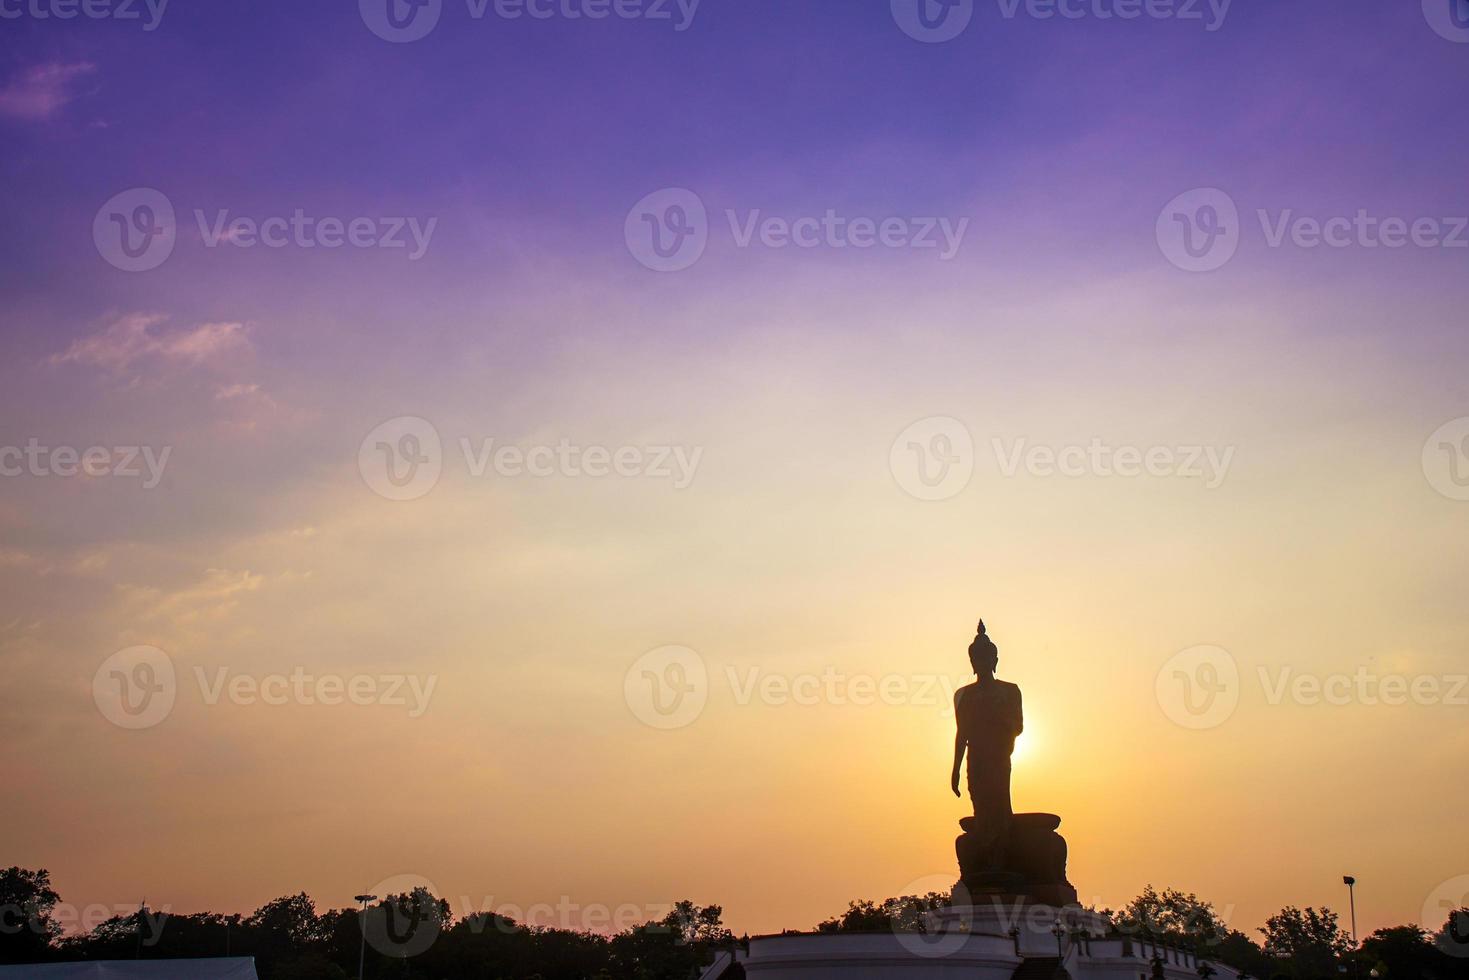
x=222 y=968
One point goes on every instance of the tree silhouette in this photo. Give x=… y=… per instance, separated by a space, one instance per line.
x=27 y=903
x=1309 y=942
x=291 y=940
x=908 y=913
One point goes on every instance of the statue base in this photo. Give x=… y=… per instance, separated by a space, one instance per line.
x=1033 y=869
x=1032 y=926
x=1020 y=921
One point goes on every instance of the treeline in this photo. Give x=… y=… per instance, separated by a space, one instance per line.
x=1295 y=944
x=415 y=936
x=411 y=936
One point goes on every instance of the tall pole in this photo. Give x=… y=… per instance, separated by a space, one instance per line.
x=362 y=928
x=1351 y=884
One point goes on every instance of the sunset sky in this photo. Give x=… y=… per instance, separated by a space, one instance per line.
x=771 y=396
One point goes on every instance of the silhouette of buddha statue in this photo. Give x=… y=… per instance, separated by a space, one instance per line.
x=988 y=719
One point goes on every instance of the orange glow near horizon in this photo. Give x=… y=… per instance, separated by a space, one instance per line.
x=529 y=779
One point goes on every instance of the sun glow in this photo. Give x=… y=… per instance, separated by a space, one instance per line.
x=1025 y=745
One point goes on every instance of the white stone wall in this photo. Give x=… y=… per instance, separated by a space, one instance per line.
x=974 y=955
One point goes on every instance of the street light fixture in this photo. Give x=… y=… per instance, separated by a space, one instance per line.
x=1351 y=884
x=362 y=928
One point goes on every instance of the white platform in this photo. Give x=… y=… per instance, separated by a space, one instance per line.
x=217 y=968
x=976 y=943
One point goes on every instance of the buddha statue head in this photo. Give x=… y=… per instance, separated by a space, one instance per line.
x=984 y=656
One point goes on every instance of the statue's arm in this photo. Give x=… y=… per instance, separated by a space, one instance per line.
x=1019 y=714
x=959 y=743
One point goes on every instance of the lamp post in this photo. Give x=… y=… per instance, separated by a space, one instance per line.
x=1351 y=884
x=362 y=928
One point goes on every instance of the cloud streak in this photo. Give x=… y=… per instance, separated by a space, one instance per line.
x=134 y=339
x=41 y=91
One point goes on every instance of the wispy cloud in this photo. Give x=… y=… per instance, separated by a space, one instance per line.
x=228 y=392
x=84 y=564
x=136 y=338
x=41 y=90
x=213 y=597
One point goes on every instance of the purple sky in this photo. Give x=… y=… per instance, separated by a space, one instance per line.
x=518 y=149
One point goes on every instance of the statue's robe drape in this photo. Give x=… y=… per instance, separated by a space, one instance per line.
x=989 y=719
